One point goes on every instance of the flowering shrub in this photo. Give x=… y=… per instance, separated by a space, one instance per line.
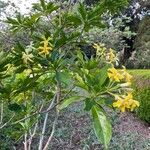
x=40 y=77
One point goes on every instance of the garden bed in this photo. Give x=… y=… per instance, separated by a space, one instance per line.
x=74 y=131
x=129 y=132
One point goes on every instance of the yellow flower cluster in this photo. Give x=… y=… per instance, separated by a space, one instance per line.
x=113 y=74
x=100 y=50
x=111 y=57
x=127 y=76
x=47 y=46
x=118 y=75
x=123 y=102
x=126 y=102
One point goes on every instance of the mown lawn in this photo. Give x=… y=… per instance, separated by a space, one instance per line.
x=140 y=72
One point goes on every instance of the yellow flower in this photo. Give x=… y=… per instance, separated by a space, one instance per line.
x=126 y=102
x=120 y=103
x=45 y=49
x=27 y=57
x=111 y=57
x=126 y=75
x=27 y=72
x=114 y=74
x=132 y=104
x=100 y=49
x=10 y=68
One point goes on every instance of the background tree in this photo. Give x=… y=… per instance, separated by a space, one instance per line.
x=136 y=10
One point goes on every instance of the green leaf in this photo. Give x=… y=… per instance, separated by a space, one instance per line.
x=82 y=11
x=96 y=11
x=73 y=36
x=60 y=42
x=103 y=75
x=69 y=101
x=89 y=103
x=102 y=126
x=64 y=77
x=12 y=21
x=15 y=107
x=19 y=18
x=80 y=56
x=81 y=82
x=51 y=7
x=73 y=20
x=36 y=6
x=26 y=84
x=42 y=2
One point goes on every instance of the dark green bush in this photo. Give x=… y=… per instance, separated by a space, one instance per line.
x=142 y=94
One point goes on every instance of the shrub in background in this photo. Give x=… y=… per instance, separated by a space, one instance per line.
x=144 y=110
x=140 y=57
x=142 y=93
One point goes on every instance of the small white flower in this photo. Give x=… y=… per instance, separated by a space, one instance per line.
x=27 y=57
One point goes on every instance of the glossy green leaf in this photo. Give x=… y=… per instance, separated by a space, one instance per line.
x=51 y=7
x=89 y=103
x=81 y=82
x=82 y=11
x=73 y=20
x=12 y=21
x=102 y=126
x=42 y=2
x=103 y=75
x=69 y=101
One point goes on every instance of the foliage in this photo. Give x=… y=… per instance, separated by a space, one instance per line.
x=45 y=75
x=142 y=45
x=142 y=93
x=144 y=98
x=111 y=36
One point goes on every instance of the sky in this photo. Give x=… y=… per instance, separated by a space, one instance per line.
x=24 y=5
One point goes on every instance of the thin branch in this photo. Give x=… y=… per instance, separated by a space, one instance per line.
x=32 y=135
x=25 y=142
x=52 y=133
x=2 y=113
x=34 y=132
x=58 y=98
x=6 y=124
x=45 y=123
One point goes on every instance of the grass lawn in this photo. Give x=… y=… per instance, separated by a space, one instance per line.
x=140 y=72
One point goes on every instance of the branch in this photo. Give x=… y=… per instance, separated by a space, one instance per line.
x=45 y=123
x=52 y=133
x=34 y=132
x=6 y=124
x=56 y=117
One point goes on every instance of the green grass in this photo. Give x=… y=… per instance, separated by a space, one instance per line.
x=140 y=72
